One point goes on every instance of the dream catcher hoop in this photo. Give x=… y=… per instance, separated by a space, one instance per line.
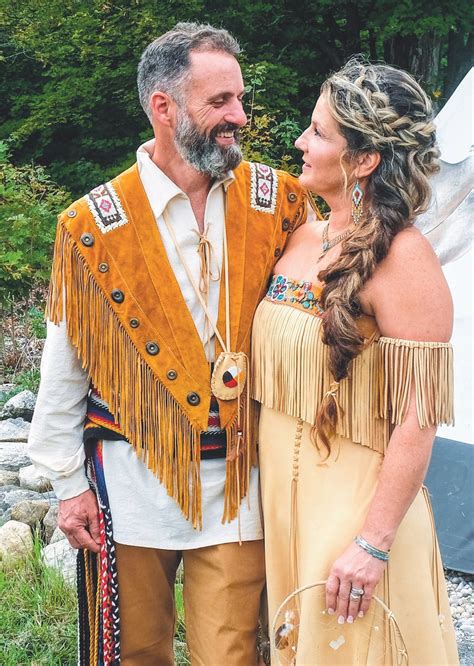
x=375 y=639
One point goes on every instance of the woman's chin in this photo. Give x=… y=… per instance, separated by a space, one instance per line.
x=305 y=180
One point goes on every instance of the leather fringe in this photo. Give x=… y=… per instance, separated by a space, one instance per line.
x=290 y=374
x=149 y=416
x=428 y=366
x=241 y=454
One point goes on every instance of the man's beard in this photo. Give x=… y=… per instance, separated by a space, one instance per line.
x=202 y=151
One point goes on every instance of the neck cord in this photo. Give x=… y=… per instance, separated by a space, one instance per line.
x=225 y=345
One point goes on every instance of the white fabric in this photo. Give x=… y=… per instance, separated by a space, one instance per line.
x=448 y=221
x=143 y=514
x=454 y=123
x=448 y=225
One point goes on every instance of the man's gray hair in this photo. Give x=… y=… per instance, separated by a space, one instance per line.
x=165 y=63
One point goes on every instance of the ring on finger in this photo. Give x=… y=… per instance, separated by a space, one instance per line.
x=356 y=593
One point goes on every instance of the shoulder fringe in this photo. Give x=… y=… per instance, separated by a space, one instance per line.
x=428 y=367
x=290 y=374
x=149 y=416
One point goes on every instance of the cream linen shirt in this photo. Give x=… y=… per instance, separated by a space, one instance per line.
x=143 y=514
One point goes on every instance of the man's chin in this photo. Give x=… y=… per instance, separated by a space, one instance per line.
x=233 y=155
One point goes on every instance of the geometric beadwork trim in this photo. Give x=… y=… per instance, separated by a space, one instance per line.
x=264 y=186
x=106 y=208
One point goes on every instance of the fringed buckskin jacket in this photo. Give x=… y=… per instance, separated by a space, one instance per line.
x=135 y=336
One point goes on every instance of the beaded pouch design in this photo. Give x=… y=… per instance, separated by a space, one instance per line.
x=229 y=375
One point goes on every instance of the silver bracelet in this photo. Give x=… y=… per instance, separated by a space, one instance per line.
x=372 y=550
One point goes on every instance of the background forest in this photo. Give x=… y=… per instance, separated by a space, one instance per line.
x=70 y=117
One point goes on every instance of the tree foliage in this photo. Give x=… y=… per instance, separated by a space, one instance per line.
x=29 y=203
x=68 y=68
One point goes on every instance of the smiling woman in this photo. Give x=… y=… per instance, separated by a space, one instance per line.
x=352 y=389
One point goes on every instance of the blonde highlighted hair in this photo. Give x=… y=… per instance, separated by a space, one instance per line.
x=378 y=109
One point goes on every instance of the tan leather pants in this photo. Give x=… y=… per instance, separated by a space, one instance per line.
x=222 y=589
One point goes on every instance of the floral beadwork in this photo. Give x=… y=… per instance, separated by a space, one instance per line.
x=278 y=288
x=301 y=294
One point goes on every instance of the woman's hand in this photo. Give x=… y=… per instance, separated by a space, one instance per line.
x=353 y=569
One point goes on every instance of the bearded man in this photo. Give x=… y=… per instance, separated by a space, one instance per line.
x=143 y=421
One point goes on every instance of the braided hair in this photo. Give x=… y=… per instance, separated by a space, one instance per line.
x=378 y=109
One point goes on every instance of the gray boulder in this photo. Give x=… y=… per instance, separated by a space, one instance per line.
x=13 y=455
x=30 y=512
x=22 y=406
x=16 y=542
x=62 y=557
x=50 y=522
x=9 y=478
x=11 y=495
x=14 y=430
x=31 y=480
x=57 y=536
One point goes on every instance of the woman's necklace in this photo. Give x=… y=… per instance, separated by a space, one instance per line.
x=328 y=244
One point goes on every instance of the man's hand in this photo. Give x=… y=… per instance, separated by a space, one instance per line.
x=79 y=520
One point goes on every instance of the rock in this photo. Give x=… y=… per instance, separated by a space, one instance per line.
x=57 y=536
x=50 y=496
x=9 y=478
x=467 y=628
x=50 y=522
x=14 y=430
x=16 y=542
x=30 y=512
x=9 y=498
x=5 y=516
x=31 y=480
x=22 y=406
x=61 y=556
x=13 y=455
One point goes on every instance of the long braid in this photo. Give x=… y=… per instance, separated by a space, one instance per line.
x=378 y=108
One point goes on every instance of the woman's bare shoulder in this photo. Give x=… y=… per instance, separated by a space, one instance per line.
x=408 y=292
x=410 y=244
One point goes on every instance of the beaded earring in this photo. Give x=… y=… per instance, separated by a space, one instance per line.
x=357 y=207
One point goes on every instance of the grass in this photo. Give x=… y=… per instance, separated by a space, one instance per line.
x=38 y=617
x=181 y=654
x=27 y=379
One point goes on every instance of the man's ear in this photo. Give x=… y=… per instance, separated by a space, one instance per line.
x=162 y=108
x=366 y=163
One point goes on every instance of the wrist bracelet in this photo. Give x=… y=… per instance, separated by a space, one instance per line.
x=372 y=550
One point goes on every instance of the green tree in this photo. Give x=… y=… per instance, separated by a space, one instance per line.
x=68 y=68
x=29 y=203
x=81 y=117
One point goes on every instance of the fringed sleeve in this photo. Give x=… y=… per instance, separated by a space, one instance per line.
x=425 y=366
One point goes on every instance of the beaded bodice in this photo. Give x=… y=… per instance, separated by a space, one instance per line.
x=301 y=294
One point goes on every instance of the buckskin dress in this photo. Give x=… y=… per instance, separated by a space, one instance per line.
x=313 y=508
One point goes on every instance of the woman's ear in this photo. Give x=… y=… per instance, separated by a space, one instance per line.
x=366 y=163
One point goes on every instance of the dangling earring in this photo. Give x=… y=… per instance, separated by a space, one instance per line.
x=357 y=208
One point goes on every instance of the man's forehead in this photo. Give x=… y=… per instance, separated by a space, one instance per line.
x=214 y=69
